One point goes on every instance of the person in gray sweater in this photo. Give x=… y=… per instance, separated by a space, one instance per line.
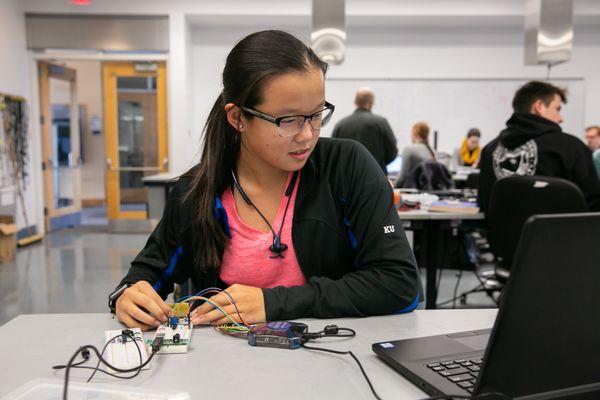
x=416 y=153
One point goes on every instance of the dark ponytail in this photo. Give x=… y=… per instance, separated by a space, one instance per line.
x=250 y=63
x=220 y=142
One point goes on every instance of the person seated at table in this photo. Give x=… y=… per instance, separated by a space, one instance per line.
x=292 y=226
x=533 y=143
x=416 y=153
x=469 y=152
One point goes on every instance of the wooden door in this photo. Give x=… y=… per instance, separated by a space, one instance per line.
x=135 y=120
x=60 y=125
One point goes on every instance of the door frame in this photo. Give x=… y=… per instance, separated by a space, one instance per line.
x=110 y=71
x=47 y=70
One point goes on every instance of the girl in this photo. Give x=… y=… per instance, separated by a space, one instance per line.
x=292 y=226
x=469 y=152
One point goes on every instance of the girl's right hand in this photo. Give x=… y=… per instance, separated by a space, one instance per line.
x=141 y=307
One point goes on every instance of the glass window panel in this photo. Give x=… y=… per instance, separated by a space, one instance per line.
x=138 y=139
x=61 y=159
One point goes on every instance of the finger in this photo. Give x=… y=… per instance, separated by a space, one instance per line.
x=203 y=318
x=147 y=302
x=132 y=323
x=213 y=315
x=150 y=292
x=137 y=313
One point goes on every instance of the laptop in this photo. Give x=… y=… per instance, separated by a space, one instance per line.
x=545 y=342
x=394 y=168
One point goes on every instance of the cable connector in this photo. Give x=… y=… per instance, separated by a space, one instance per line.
x=331 y=330
x=157 y=343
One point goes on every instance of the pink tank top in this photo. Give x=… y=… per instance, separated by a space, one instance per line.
x=247 y=259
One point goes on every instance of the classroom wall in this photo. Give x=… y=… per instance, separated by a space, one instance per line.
x=463 y=53
x=439 y=38
x=417 y=52
x=15 y=80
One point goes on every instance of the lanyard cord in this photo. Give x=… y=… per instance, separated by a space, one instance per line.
x=277 y=247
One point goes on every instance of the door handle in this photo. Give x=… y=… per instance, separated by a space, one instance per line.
x=110 y=167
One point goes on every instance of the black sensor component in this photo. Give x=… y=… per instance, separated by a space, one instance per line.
x=283 y=335
x=157 y=343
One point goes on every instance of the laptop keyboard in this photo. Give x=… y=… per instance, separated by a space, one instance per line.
x=462 y=372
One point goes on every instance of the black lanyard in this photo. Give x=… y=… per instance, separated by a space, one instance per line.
x=277 y=247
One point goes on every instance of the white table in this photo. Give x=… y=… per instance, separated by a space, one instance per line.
x=219 y=366
x=413 y=215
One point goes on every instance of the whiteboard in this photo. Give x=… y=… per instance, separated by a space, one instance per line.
x=449 y=106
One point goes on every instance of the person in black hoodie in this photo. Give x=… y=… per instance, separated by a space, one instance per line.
x=533 y=143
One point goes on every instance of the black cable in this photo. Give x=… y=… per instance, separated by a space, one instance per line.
x=134 y=340
x=107 y=372
x=329 y=331
x=456 y=288
x=439 y=279
x=355 y=359
x=85 y=359
x=103 y=361
x=488 y=291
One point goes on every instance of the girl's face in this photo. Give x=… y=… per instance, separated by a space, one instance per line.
x=414 y=136
x=288 y=94
x=472 y=142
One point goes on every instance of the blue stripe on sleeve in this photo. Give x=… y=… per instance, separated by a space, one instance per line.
x=168 y=272
x=353 y=241
x=221 y=216
x=410 y=307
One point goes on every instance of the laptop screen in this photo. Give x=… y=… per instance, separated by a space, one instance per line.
x=546 y=333
x=395 y=166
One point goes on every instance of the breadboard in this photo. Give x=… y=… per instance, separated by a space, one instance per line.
x=125 y=354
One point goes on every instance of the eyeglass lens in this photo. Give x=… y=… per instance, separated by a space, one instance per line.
x=293 y=125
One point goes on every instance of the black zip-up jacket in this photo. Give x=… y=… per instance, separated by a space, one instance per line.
x=346 y=233
x=533 y=145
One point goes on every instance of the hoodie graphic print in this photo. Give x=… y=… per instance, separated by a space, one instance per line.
x=521 y=160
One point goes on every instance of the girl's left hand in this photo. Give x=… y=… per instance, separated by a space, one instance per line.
x=248 y=299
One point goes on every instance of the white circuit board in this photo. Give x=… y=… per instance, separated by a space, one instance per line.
x=125 y=354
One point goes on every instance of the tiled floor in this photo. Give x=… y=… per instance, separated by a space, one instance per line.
x=74 y=270
x=71 y=271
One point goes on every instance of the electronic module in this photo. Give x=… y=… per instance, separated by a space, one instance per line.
x=175 y=335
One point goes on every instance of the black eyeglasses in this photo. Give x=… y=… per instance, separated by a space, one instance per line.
x=291 y=125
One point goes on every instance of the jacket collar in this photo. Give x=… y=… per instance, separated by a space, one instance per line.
x=307 y=178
